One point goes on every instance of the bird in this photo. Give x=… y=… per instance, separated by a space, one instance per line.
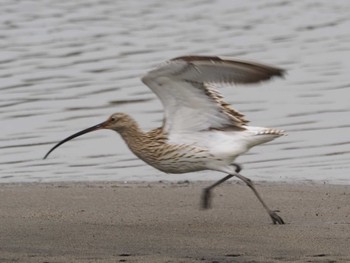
x=200 y=131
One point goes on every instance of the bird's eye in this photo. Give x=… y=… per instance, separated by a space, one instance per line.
x=112 y=118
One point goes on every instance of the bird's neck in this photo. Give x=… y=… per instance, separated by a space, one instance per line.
x=132 y=133
x=141 y=143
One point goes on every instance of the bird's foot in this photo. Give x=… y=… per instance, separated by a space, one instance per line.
x=206 y=198
x=276 y=219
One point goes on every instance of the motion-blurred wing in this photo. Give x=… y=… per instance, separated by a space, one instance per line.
x=191 y=103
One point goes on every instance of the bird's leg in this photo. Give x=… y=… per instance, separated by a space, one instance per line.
x=206 y=196
x=275 y=218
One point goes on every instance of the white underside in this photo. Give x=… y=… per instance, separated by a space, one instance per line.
x=223 y=147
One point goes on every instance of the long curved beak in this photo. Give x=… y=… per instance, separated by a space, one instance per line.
x=93 y=128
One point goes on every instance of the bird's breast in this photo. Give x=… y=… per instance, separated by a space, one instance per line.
x=176 y=158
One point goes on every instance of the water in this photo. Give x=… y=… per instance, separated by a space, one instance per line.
x=67 y=65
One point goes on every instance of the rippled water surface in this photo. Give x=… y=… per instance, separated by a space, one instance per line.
x=67 y=65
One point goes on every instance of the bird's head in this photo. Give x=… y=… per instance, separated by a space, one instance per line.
x=117 y=122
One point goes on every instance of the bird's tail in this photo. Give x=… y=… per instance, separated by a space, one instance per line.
x=260 y=135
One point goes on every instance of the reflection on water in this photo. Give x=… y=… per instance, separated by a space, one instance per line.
x=65 y=66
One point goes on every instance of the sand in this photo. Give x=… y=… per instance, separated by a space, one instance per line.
x=162 y=222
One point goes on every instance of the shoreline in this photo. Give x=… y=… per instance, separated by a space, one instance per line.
x=162 y=222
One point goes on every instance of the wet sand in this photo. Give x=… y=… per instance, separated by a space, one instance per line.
x=162 y=222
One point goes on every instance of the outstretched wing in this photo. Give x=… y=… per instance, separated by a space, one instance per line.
x=191 y=103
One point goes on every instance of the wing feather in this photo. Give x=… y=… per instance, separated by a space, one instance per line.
x=191 y=103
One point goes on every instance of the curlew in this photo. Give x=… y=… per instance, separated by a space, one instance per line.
x=200 y=130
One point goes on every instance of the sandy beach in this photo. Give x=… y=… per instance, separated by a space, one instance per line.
x=162 y=222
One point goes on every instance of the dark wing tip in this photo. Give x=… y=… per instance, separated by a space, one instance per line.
x=273 y=71
x=259 y=71
x=191 y=58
